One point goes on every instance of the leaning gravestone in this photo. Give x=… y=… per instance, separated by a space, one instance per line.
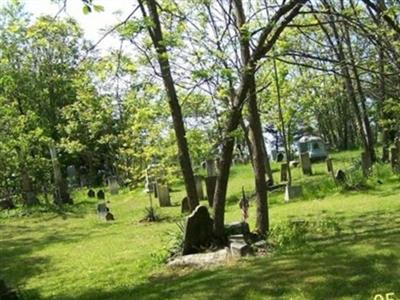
x=163 y=195
x=198 y=180
x=91 y=193
x=305 y=163
x=340 y=177
x=185 y=205
x=101 y=195
x=210 y=186
x=284 y=172
x=198 y=231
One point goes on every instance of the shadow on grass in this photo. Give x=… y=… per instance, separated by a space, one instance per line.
x=357 y=264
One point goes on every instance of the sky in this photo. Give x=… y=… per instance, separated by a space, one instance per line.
x=93 y=23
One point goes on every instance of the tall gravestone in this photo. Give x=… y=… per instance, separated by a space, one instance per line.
x=305 y=163
x=199 y=187
x=163 y=195
x=284 y=172
x=198 y=231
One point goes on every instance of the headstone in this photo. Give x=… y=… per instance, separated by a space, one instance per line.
x=279 y=157
x=101 y=195
x=163 y=195
x=366 y=164
x=6 y=203
x=109 y=217
x=113 y=185
x=185 y=205
x=210 y=186
x=198 y=231
x=102 y=209
x=211 y=168
x=294 y=164
x=199 y=187
x=293 y=192
x=284 y=172
x=340 y=177
x=305 y=163
x=91 y=193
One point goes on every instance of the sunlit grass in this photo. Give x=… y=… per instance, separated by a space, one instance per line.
x=73 y=254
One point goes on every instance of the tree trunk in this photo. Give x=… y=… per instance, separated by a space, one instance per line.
x=163 y=61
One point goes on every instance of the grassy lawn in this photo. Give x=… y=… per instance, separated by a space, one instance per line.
x=74 y=255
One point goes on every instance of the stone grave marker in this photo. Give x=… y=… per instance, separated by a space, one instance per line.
x=329 y=165
x=293 y=192
x=101 y=195
x=305 y=163
x=210 y=186
x=163 y=195
x=198 y=230
x=199 y=187
x=91 y=193
x=185 y=205
x=284 y=172
x=340 y=177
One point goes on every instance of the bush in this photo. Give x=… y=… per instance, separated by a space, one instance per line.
x=294 y=233
x=176 y=239
x=150 y=215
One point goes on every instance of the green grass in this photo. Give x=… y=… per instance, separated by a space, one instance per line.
x=72 y=254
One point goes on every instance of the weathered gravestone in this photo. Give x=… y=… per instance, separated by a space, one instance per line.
x=294 y=164
x=113 y=185
x=198 y=231
x=284 y=172
x=305 y=163
x=91 y=193
x=210 y=186
x=101 y=195
x=6 y=203
x=185 y=205
x=293 y=192
x=104 y=212
x=366 y=164
x=199 y=187
x=340 y=177
x=163 y=195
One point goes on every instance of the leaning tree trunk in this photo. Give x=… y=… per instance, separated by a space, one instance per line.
x=175 y=108
x=268 y=36
x=255 y=133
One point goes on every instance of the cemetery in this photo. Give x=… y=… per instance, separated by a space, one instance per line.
x=199 y=150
